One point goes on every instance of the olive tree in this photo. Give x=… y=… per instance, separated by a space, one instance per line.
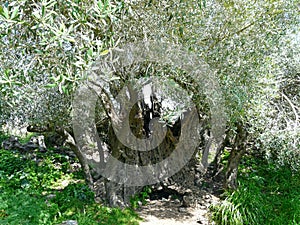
x=47 y=47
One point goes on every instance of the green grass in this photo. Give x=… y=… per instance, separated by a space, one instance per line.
x=28 y=180
x=266 y=195
x=22 y=207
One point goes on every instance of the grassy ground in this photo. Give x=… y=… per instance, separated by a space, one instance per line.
x=44 y=188
x=266 y=195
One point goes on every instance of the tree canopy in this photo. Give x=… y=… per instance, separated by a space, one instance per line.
x=252 y=48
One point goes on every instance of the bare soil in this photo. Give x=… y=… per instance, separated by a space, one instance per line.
x=171 y=212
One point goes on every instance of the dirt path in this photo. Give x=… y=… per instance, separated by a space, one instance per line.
x=170 y=212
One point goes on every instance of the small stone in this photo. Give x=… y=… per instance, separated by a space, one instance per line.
x=50 y=196
x=182 y=209
x=201 y=202
x=164 y=200
x=69 y=222
x=188 y=192
x=203 y=207
x=177 y=201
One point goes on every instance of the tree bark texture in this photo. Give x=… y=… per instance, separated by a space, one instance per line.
x=236 y=154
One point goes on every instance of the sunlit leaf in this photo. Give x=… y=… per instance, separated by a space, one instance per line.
x=15 y=13
x=105 y=52
x=4 y=12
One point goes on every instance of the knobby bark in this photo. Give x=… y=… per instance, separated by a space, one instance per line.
x=217 y=165
x=236 y=154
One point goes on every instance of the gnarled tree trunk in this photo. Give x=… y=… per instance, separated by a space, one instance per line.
x=236 y=154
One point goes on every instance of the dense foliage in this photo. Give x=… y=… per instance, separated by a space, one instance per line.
x=47 y=45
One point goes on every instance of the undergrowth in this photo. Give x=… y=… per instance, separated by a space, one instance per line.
x=42 y=188
x=140 y=198
x=267 y=194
